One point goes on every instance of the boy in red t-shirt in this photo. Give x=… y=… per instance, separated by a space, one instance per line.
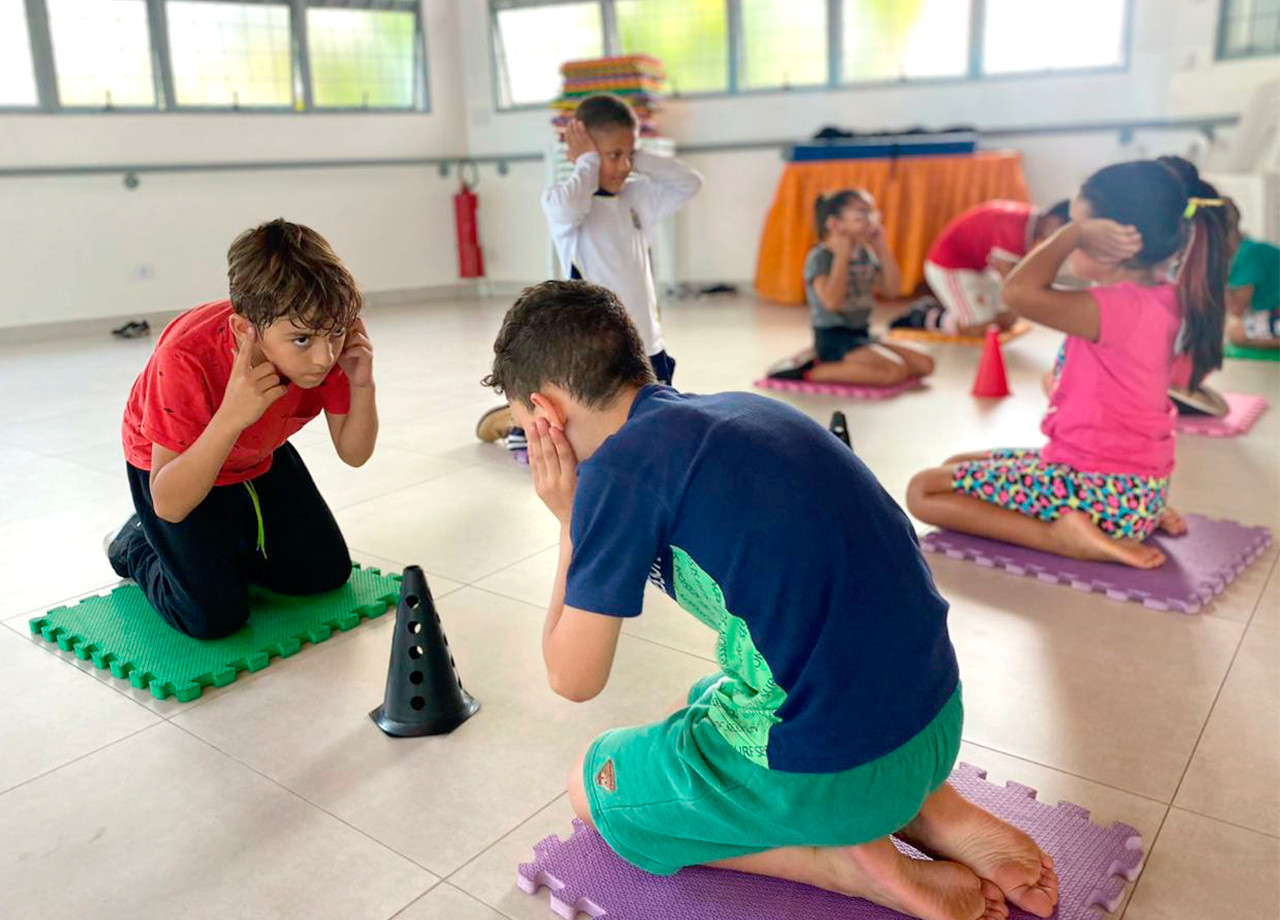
x=967 y=263
x=222 y=498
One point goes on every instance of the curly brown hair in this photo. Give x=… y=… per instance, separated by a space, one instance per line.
x=281 y=269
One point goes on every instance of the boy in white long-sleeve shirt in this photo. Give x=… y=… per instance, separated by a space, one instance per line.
x=601 y=220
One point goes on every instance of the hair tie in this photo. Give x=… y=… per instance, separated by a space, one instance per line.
x=1194 y=203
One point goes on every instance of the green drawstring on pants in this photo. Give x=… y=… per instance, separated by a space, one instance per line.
x=257 y=510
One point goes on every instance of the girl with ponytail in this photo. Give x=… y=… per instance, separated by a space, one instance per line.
x=1097 y=489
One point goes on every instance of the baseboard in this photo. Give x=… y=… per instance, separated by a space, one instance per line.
x=487 y=288
x=96 y=327
x=100 y=326
x=463 y=290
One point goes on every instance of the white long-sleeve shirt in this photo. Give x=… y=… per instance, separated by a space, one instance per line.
x=607 y=237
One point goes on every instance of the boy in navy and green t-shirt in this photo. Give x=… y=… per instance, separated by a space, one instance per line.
x=834 y=718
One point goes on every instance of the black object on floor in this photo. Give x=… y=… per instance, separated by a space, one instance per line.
x=795 y=372
x=1204 y=401
x=720 y=287
x=134 y=329
x=840 y=428
x=925 y=313
x=424 y=694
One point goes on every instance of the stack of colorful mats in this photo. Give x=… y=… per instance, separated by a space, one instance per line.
x=636 y=78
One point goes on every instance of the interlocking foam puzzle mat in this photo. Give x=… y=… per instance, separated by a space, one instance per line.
x=120 y=631
x=583 y=874
x=1245 y=409
x=847 y=390
x=1202 y=562
x=1016 y=331
x=1255 y=354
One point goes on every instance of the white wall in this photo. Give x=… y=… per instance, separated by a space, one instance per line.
x=1172 y=74
x=76 y=248
x=87 y=247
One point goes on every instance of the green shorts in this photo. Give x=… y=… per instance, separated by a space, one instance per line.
x=675 y=793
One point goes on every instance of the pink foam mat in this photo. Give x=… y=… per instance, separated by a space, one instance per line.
x=1245 y=409
x=847 y=390
x=1202 y=562
x=584 y=875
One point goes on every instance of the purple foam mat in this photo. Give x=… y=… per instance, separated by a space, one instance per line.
x=847 y=390
x=1202 y=562
x=584 y=875
x=1244 y=410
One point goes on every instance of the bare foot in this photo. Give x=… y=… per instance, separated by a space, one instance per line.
x=928 y=889
x=1075 y=536
x=1171 y=522
x=951 y=826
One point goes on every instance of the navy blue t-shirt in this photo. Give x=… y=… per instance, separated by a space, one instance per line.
x=767 y=528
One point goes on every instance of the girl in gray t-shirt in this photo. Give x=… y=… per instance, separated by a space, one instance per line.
x=843 y=273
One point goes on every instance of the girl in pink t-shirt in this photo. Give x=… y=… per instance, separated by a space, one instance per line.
x=1097 y=489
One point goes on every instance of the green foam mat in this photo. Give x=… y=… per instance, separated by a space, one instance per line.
x=122 y=632
x=1253 y=354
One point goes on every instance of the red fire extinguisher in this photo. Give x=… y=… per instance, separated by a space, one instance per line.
x=465 y=204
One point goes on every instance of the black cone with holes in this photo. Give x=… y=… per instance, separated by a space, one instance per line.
x=424 y=694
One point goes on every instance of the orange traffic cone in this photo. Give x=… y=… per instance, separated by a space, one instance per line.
x=991 y=380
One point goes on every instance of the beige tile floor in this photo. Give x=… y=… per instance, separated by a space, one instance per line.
x=277 y=798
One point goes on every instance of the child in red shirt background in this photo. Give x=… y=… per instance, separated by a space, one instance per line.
x=222 y=499
x=968 y=261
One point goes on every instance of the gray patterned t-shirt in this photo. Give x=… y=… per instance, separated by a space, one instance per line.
x=864 y=271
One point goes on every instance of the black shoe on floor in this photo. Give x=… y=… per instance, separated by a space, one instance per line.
x=132 y=330
x=117 y=542
x=923 y=314
x=792 y=373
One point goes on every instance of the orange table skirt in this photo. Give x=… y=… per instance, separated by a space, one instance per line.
x=917 y=196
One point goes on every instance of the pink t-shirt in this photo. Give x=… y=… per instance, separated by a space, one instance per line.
x=1110 y=410
x=1000 y=228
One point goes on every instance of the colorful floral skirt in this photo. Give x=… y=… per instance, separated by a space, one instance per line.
x=1120 y=504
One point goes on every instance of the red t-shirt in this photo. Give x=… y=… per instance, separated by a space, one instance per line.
x=993 y=227
x=177 y=394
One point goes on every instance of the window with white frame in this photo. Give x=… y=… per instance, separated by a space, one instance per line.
x=891 y=40
x=1249 y=28
x=532 y=41
x=711 y=46
x=1025 y=36
x=365 y=59
x=690 y=37
x=230 y=55
x=102 y=53
x=784 y=44
x=17 y=73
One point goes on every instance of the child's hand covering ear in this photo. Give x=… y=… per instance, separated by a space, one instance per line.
x=554 y=467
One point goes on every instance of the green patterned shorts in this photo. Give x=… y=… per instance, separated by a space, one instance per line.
x=675 y=793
